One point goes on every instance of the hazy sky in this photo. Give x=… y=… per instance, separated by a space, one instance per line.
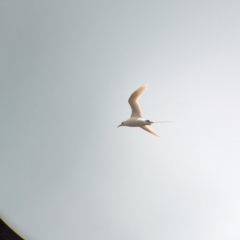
x=67 y=70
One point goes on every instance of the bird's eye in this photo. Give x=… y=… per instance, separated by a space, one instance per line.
x=147 y=121
x=122 y=123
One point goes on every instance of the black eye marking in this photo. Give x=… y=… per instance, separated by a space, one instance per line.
x=122 y=122
x=147 y=121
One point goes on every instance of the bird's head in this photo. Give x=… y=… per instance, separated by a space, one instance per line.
x=122 y=124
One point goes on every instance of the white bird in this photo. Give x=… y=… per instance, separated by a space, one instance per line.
x=136 y=119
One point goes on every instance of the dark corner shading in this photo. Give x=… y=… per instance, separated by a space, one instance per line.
x=6 y=233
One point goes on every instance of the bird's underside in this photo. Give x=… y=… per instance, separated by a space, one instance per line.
x=142 y=123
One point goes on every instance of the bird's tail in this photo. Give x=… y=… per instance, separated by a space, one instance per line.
x=163 y=122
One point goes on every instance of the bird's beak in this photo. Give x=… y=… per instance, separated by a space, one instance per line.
x=119 y=125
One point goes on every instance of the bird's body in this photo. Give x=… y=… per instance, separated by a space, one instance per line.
x=136 y=119
x=135 y=122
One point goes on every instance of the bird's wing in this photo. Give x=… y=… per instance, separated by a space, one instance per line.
x=148 y=129
x=133 y=101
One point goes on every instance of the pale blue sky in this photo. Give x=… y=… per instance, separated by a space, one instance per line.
x=67 y=70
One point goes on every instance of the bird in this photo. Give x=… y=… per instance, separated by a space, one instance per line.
x=136 y=119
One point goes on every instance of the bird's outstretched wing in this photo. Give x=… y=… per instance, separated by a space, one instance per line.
x=133 y=101
x=148 y=129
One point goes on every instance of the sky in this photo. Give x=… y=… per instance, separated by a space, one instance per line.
x=67 y=69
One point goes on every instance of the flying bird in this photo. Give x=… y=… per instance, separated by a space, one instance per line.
x=136 y=119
